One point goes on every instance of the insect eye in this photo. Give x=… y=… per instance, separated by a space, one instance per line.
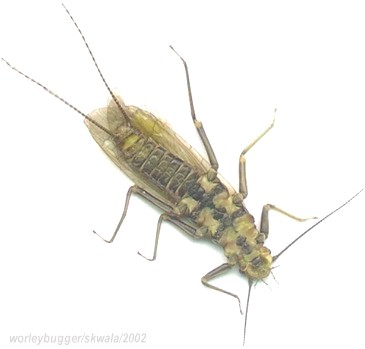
x=256 y=261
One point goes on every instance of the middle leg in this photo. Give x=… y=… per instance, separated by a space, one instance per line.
x=187 y=228
x=242 y=162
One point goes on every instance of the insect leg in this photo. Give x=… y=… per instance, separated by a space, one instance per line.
x=242 y=162
x=172 y=218
x=218 y=271
x=135 y=190
x=198 y=124
x=264 y=226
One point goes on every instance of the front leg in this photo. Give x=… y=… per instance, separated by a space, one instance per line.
x=264 y=227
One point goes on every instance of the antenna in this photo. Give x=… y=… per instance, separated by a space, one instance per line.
x=314 y=225
x=246 y=311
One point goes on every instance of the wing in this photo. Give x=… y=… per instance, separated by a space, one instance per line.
x=163 y=134
x=119 y=123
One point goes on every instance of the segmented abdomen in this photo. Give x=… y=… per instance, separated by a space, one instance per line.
x=201 y=197
x=158 y=165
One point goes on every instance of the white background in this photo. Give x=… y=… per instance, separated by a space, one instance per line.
x=246 y=58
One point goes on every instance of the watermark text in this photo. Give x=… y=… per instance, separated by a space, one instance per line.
x=85 y=338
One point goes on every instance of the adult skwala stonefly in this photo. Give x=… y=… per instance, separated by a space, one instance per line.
x=185 y=186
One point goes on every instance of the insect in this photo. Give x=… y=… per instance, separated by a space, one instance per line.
x=172 y=176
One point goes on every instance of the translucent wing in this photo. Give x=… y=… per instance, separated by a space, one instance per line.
x=119 y=123
x=164 y=135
